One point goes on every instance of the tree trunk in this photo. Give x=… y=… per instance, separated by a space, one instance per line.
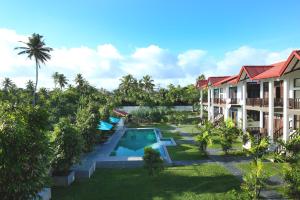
x=36 y=80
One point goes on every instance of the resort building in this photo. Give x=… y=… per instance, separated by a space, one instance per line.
x=263 y=100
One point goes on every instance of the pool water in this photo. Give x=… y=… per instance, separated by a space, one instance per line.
x=133 y=142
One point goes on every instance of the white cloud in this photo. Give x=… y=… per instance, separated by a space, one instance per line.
x=104 y=65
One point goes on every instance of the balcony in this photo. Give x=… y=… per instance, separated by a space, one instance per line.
x=222 y=101
x=216 y=100
x=278 y=102
x=294 y=103
x=233 y=101
x=254 y=102
x=204 y=100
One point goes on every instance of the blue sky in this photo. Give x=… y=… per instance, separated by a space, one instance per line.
x=217 y=27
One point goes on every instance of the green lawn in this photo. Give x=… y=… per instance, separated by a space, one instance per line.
x=238 y=144
x=185 y=152
x=207 y=181
x=270 y=168
x=189 y=128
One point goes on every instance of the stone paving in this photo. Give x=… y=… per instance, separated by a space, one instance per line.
x=229 y=162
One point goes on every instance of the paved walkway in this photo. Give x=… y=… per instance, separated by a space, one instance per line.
x=229 y=162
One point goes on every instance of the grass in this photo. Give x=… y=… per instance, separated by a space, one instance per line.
x=207 y=181
x=185 y=152
x=216 y=144
x=189 y=128
x=271 y=169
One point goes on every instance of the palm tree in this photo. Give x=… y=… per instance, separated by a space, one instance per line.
x=62 y=81
x=79 y=80
x=35 y=48
x=30 y=86
x=55 y=76
x=148 y=83
x=7 y=84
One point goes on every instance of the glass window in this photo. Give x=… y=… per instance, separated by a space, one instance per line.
x=297 y=82
x=297 y=94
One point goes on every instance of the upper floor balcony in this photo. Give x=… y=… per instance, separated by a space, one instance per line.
x=234 y=101
x=294 y=103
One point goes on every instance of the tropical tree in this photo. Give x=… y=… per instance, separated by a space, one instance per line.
x=7 y=84
x=152 y=161
x=35 y=48
x=30 y=86
x=79 y=80
x=55 y=77
x=147 y=83
x=62 y=81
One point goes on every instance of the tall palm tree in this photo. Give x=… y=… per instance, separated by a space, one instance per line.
x=62 y=81
x=79 y=80
x=30 y=86
x=35 y=48
x=55 y=76
x=148 y=83
x=7 y=84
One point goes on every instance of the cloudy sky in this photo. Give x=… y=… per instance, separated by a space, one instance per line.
x=173 y=41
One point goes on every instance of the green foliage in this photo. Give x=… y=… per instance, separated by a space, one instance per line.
x=228 y=133
x=152 y=161
x=292 y=179
x=204 y=138
x=254 y=181
x=24 y=151
x=67 y=144
x=259 y=147
x=87 y=120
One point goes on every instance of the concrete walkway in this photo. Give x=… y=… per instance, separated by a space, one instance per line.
x=229 y=162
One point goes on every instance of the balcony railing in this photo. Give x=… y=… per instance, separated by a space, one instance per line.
x=278 y=133
x=294 y=103
x=222 y=101
x=278 y=102
x=204 y=100
x=216 y=100
x=254 y=102
x=233 y=101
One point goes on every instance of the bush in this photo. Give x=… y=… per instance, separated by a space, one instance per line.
x=68 y=145
x=152 y=161
x=204 y=138
x=24 y=151
x=87 y=120
x=292 y=179
x=254 y=181
x=228 y=133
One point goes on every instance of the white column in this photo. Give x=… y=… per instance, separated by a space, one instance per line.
x=244 y=112
x=219 y=99
x=261 y=113
x=286 y=130
x=271 y=110
x=212 y=102
x=226 y=96
x=208 y=104
x=201 y=104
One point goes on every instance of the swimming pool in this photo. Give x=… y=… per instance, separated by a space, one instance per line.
x=133 y=142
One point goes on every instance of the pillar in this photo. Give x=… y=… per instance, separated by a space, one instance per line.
x=201 y=104
x=244 y=111
x=208 y=104
x=286 y=130
x=261 y=113
x=271 y=110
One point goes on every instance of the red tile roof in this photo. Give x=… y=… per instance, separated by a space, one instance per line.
x=273 y=72
x=296 y=54
x=227 y=80
x=253 y=71
x=201 y=84
x=216 y=79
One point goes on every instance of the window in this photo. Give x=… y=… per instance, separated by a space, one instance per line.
x=297 y=94
x=297 y=82
x=296 y=121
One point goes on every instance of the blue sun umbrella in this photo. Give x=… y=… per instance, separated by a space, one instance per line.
x=104 y=126
x=114 y=120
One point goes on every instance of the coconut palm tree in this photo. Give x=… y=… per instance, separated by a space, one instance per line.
x=35 y=48
x=148 y=84
x=79 y=80
x=30 y=86
x=55 y=76
x=7 y=84
x=62 y=81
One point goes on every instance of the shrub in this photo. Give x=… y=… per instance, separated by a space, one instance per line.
x=254 y=181
x=68 y=145
x=228 y=132
x=259 y=147
x=152 y=161
x=24 y=151
x=292 y=179
x=203 y=139
x=87 y=120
